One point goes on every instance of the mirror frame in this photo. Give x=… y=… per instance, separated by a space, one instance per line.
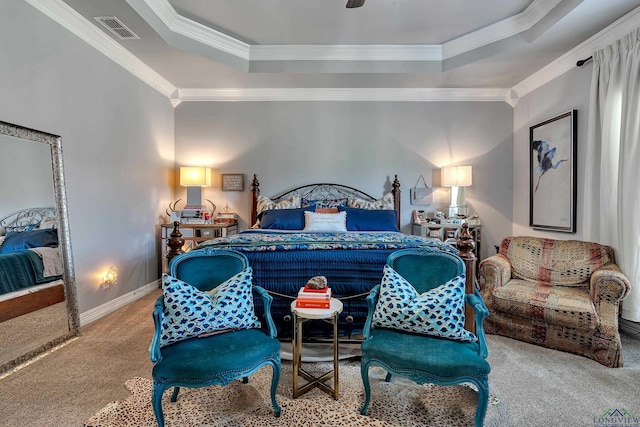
x=64 y=236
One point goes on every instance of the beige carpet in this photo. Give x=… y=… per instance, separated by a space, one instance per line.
x=25 y=333
x=536 y=385
x=399 y=403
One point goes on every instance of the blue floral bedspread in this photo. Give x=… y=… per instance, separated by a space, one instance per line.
x=257 y=241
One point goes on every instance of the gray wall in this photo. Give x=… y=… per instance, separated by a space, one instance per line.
x=117 y=140
x=362 y=144
x=567 y=92
x=26 y=165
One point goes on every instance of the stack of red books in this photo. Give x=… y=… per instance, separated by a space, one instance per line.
x=314 y=298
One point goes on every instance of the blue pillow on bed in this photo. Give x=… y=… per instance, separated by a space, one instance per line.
x=283 y=219
x=323 y=204
x=371 y=219
x=16 y=241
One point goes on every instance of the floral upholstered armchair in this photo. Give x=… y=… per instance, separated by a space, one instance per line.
x=561 y=294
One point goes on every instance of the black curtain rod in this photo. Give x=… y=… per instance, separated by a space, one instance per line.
x=583 y=61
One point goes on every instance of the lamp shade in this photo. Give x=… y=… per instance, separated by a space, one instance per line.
x=195 y=176
x=456 y=176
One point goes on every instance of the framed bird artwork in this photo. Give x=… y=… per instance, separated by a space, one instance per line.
x=553 y=187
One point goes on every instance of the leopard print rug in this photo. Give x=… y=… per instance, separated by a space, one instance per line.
x=398 y=403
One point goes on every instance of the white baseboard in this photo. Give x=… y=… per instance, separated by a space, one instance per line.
x=629 y=327
x=104 y=309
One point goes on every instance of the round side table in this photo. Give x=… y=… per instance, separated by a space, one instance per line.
x=301 y=315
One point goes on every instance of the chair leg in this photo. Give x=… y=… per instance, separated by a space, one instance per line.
x=174 y=395
x=156 y=401
x=364 y=373
x=483 y=400
x=274 y=386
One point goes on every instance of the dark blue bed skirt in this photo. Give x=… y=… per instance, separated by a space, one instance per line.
x=348 y=272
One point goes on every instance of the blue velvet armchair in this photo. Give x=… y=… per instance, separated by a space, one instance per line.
x=216 y=359
x=424 y=358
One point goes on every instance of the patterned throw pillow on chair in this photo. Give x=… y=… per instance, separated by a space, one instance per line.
x=437 y=312
x=189 y=312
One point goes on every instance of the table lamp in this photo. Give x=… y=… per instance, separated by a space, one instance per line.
x=457 y=177
x=195 y=178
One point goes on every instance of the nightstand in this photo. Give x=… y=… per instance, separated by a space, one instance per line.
x=193 y=234
x=448 y=231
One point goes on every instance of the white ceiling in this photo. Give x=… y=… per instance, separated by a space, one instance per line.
x=200 y=45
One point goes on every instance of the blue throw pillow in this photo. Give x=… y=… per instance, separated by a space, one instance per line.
x=15 y=241
x=323 y=204
x=189 y=312
x=438 y=312
x=283 y=219
x=371 y=219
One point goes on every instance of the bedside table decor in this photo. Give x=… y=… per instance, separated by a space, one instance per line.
x=192 y=234
x=457 y=177
x=421 y=195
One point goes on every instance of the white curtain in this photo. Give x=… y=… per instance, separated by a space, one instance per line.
x=612 y=174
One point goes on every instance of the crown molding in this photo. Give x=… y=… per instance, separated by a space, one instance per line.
x=194 y=30
x=501 y=30
x=567 y=62
x=346 y=94
x=64 y=15
x=346 y=53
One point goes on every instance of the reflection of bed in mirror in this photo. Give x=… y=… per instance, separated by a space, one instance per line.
x=38 y=307
x=30 y=263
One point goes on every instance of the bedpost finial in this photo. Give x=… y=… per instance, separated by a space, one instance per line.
x=465 y=242
x=174 y=242
x=396 y=183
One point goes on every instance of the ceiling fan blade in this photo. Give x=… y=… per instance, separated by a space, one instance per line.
x=354 y=3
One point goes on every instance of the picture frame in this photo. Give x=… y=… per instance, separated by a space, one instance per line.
x=553 y=173
x=232 y=182
x=421 y=196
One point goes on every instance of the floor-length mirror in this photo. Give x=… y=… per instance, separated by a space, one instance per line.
x=38 y=303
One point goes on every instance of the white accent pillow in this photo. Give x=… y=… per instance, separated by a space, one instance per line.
x=48 y=222
x=265 y=203
x=325 y=222
x=386 y=202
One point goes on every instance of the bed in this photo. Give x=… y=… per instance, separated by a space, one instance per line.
x=30 y=263
x=329 y=230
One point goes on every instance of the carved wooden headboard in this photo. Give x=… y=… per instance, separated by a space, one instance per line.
x=322 y=191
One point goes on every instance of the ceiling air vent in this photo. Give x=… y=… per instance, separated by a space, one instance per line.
x=115 y=26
